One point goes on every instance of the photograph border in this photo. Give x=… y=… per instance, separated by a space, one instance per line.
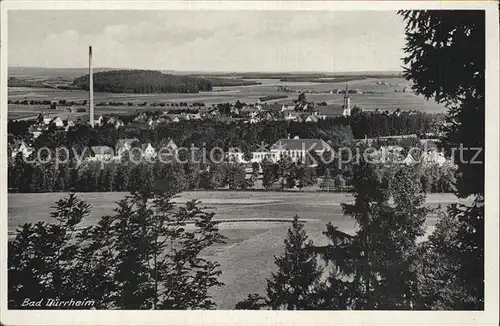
x=232 y=317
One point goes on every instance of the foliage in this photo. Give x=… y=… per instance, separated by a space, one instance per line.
x=327 y=182
x=458 y=81
x=44 y=259
x=439 y=286
x=147 y=256
x=376 y=124
x=373 y=268
x=236 y=176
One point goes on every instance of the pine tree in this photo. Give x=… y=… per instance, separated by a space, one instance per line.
x=143 y=257
x=297 y=284
x=235 y=176
x=458 y=35
x=285 y=171
x=43 y=258
x=327 y=182
x=269 y=173
x=378 y=260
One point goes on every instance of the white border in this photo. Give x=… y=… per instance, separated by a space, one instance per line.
x=488 y=317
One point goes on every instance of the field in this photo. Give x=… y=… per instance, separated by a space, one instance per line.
x=383 y=97
x=255 y=224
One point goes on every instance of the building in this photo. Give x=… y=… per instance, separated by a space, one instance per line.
x=172 y=145
x=125 y=145
x=195 y=116
x=99 y=121
x=69 y=124
x=235 y=156
x=292 y=116
x=23 y=148
x=168 y=145
x=388 y=154
x=297 y=149
x=258 y=157
x=254 y=120
x=141 y=118
x=167 y=150
x=119 y=123
x=101 y=153
x=409 y=160
x=312 y=118
x=148 y=151
x=58 y=122
x=115 y=121
x=433 y=157
x=286 y=107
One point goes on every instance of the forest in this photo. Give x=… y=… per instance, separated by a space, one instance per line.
x=143 y=81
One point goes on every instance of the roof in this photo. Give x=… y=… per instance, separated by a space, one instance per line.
x=313 y=118
x=145 y=146
x=301 y=144
x=101 y=149
x=128 y=141
x=14 y=146
x=171 y=144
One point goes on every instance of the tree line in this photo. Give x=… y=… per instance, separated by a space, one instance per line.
x=378 y=124
x=187 y=172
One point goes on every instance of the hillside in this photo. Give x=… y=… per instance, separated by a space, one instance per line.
x=143 y=81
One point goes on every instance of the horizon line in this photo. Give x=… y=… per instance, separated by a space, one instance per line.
x=217 y=71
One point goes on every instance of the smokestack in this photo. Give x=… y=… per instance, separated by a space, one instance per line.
x=91 y=89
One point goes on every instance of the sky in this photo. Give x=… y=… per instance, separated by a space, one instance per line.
x=264 y=41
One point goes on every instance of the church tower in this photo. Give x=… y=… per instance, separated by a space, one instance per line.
x=347 y=102
x=91 y=90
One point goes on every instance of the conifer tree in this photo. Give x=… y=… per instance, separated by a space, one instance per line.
x=43 y=257
x=146 y=256
x=269 y=173
x=378 y=259
x=297 y=284
x=459 y=83
x=327 y=182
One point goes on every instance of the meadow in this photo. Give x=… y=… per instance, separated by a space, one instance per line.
x=255 y=224
x=382 y=96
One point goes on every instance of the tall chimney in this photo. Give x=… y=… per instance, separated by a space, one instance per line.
x=91 y=89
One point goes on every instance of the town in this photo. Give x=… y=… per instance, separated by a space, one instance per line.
x=323 y=168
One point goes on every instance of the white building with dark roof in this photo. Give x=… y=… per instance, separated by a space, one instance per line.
x=296 y=149
x=124 y=145
x=101 y=152
x=148 y=151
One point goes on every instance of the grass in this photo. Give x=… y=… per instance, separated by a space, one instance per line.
x=248 y=257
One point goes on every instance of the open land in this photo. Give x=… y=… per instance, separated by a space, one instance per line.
x=374 y=96
x=255 y=224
